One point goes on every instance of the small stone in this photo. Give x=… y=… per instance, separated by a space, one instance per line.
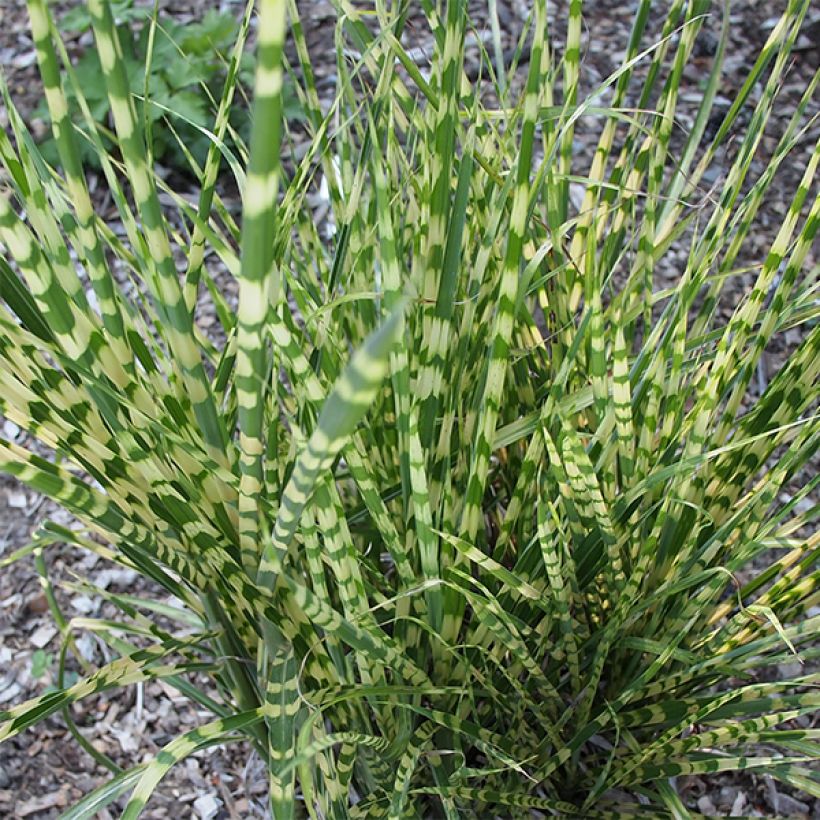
x=24 y=60
x=790 y=670
x=206 y=807
x=9 y=692
x=788 y=806
x=42 y=636
x=86 y=646
x=5 y=780
x=706 y=806
x=17 y=500
x=727 y=796
x=83 y=604
x=577 y=192
x=119 y=577
x=10 y=430
x=738 y=805
x=194 y=774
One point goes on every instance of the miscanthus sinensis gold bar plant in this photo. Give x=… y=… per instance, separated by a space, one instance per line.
x=467 y=512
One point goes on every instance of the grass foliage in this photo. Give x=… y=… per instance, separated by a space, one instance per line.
x=471 y=513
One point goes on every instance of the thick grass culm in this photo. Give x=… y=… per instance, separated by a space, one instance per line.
x=469 y=508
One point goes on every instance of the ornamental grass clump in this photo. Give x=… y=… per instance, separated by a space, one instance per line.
x=475 y=504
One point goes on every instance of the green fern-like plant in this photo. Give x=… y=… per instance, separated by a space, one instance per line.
x=468 y=511
x=180 y=67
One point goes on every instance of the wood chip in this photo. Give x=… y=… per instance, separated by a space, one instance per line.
x=38 y=804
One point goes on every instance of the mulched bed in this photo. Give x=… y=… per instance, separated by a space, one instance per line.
x=43 y=771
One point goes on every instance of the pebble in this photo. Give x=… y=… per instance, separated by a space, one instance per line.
x=788 y=806
x=43 y=635
x=727 y=796
x=206 y=807
x=738 y=805
x=10 y=430
x=17 y=500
